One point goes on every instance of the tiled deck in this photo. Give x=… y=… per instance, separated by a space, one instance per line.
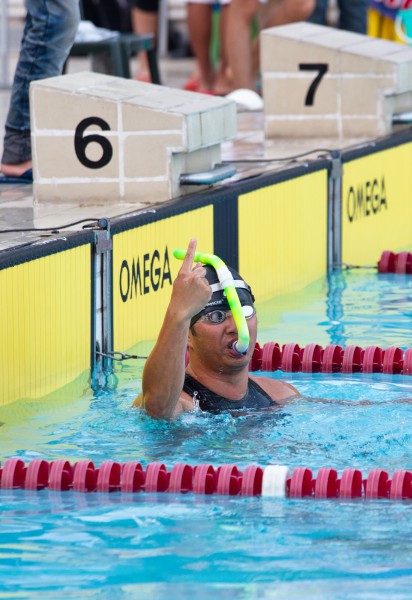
x=18 y=211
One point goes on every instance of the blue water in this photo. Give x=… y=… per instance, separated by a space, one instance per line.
x=67 y=545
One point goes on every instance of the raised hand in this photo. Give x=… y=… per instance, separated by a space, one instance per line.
x=191 y=290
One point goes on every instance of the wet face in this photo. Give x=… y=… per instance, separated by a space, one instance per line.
x=212 y=344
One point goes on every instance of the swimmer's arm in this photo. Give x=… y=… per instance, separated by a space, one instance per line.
x=164 y=372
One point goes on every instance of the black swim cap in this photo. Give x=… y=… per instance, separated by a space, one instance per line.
x=218 y=301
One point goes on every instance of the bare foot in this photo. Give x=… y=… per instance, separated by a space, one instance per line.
x=143 y=76
x=205 y=79
x=223 y=82
x=16 y=169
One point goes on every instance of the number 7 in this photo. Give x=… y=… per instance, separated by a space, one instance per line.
x=322 y=68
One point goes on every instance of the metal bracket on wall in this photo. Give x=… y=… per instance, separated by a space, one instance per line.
x=103 y=297
x=335 y=210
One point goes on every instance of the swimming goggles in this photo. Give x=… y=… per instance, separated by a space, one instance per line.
x=218 y=316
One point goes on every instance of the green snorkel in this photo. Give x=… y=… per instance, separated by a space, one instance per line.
x=226 y=281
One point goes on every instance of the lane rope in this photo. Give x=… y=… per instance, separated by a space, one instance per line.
x=313 y=358
x=275 y=481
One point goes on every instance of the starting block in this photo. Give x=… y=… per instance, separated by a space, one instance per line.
x=99 y=138
x=322 y=82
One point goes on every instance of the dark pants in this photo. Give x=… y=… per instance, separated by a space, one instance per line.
x=352 y=14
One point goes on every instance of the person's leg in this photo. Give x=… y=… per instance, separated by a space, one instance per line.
x=239 y=45
x=49 y=33
x=223 y=81
x=282 y=12
x=353 y=15
x=199 y=21
x=319 y=14
x=145 y=17
x=272 y=14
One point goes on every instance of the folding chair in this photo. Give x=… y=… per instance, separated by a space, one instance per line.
x=118 y=47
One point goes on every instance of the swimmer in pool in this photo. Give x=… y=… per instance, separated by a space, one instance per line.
x=217 y=378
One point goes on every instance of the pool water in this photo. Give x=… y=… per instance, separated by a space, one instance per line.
x=116 y=545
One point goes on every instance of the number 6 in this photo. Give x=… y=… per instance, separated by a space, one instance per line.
x=81 y=142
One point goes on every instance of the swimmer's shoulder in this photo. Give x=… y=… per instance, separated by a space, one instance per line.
x=280 y=391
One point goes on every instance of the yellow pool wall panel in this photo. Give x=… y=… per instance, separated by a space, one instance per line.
x=45 y=324
x=144 y=269
x=283 y=235
x=377 y=205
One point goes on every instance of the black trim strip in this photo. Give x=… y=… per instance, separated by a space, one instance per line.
x=226 y=230
x=185 y=204
x=372 y=147
x=93 y=310
x=11 y=257
x=110 y=303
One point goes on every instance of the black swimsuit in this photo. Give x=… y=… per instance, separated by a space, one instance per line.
x=255 y=397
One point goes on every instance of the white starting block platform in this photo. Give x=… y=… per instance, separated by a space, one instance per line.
x=322 y=82
x=98 y=138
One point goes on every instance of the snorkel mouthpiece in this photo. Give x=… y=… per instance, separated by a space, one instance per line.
x=236 y=349
x=226 y=281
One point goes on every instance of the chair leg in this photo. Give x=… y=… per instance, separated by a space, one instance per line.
x=125 y=60
x=153 y=66
x=120 y=69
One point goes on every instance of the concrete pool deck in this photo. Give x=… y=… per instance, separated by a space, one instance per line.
x=18 y=210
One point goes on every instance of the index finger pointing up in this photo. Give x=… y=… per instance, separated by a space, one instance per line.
x=190 y=254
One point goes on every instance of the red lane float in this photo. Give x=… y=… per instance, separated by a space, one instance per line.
x=401 y=485
x=37 y=475
x=372 y=360
x=157 y=478
x=273 y=480
x=301 y=483
x=13 y=474
x=133 y=477
x=352 y=359
x=390 y=262
x=271 y=357
x=204 y=479
x=84 y=476
x=333 y=359
x=108 y=477
x=60 y=475
x=404 y=263
x=377 y=485
x=229 y=480
x=312 y=358
x=392 y=360
x=291 y=358
x=326 y=484
x=351 y=484
x=407 y=362
x=256 y=360
x=252 y=481
x=181 y=479
x=387 y=262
